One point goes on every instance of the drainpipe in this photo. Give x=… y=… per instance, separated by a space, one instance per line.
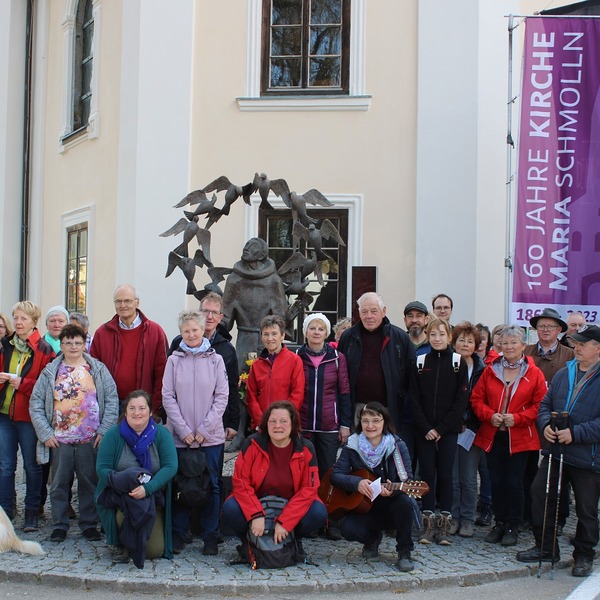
x=26 y=200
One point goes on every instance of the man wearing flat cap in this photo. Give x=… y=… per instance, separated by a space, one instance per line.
x=575 y=390
x=548 y=354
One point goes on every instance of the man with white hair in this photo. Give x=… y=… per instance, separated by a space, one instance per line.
x=575 y=320
x=133 y=348
x=379 y=356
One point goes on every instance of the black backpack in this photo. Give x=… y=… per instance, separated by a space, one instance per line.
x=191 y=484
x=262 y=552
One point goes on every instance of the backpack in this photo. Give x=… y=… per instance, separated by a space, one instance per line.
x=191 y=484
x=455 y=361
x=262 y=552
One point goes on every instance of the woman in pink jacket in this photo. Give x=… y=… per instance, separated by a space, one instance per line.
x=195 y=393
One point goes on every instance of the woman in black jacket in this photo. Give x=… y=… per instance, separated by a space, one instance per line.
x=375 y=449
x=439 y=396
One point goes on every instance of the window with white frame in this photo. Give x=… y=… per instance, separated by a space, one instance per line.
x=83 y=64
x=305 y=46
x=77 y=268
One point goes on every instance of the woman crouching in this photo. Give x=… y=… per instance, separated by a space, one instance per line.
x=136 y=462
x=276 y=461
x=375 y=448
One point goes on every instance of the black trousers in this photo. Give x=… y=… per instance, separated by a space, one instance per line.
x=586 y=489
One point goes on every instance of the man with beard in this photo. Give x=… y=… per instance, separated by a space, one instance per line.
x=415 y=319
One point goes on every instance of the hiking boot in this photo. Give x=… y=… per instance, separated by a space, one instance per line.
x=466 y=529
x=371 y=550
x=583 y=567
x=211 y=547
x=485 y=516
x=444 y=524
x=333 y=532
x=58 y=535
x=405 y=563
x=496 y=534
x=456 y=524
x=427 y=535
x=119 y=554
x=533 y=555
x=92 y=534
x=31 y=521
x=510 y=537
x=178 y=543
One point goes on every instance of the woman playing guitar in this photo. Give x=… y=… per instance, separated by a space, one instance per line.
x=376 y=449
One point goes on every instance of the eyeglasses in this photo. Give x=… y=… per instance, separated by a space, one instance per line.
x=367 y=422
x=127 y=302
x=72 y=344
x=547 y=327
x=212 y=313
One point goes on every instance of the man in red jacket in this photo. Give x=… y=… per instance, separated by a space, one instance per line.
x=133 y=348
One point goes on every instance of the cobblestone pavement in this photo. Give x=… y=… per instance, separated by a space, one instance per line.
x=338 y=566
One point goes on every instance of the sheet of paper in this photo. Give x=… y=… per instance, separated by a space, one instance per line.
x=376 y=487
x=465 y=439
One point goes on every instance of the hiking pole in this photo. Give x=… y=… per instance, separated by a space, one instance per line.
x=565 y=425
x=553 y=417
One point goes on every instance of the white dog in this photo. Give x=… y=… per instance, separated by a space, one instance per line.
x=10 y=541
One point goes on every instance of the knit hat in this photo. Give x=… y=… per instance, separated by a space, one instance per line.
x=416 y=305
x=312 y=317
x=57 y=310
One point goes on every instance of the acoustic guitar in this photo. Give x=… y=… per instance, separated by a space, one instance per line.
x=339 y=503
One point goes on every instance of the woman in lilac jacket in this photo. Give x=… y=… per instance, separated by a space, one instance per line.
x=195 y=393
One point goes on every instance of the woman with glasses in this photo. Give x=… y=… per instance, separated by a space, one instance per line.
x=276 y=461
x=73 y=404
x=506 y=401
x=23 y=356
x=375 y=450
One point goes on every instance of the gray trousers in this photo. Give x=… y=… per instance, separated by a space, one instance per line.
x=79 y=459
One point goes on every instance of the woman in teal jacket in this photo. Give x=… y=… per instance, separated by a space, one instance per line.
x=140 y=443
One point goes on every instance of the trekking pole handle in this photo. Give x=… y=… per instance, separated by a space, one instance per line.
x=565 y=419
x=553 y=418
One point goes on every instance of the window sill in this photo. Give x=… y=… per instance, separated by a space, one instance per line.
x=304 y=103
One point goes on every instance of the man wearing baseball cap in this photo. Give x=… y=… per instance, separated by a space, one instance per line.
x=416 y=317
x=575 y=391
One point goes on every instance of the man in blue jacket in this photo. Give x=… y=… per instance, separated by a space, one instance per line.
x=575 y=389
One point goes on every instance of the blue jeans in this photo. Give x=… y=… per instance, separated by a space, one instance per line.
x=15 y=434
x=209 y=515
x=464 y=504
x=235 y=522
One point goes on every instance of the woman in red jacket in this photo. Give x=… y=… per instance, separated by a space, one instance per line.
x=277 y=461
x=23 y=357
x=506 y=401
x=278 y=373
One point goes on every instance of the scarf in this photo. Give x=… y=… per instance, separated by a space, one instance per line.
x=373 y=456
x=139 y=443
x=203 y=347
x=320 y=352
x=508 y=365
x=20 y=345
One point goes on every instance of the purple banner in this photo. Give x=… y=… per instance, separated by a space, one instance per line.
x=557 y=243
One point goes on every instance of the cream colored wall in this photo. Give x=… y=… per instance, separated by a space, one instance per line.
x=370 y=153
x=85 y=174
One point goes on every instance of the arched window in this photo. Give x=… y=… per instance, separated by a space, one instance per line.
x=83 y=64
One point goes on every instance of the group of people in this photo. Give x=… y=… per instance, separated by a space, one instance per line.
x=449 y=404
